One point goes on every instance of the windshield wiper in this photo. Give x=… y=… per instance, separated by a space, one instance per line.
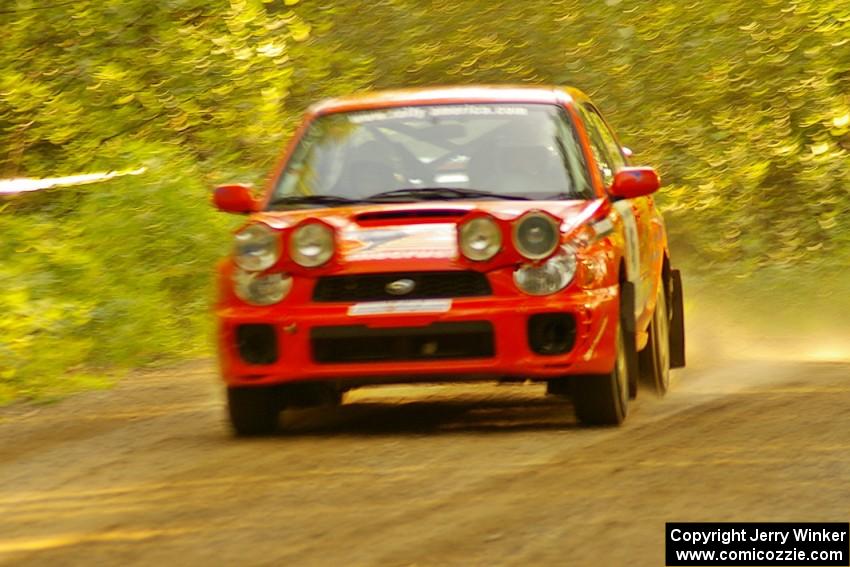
x=440 y=193
x=319 y=200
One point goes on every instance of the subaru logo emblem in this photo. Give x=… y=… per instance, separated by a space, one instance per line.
x=400 y=287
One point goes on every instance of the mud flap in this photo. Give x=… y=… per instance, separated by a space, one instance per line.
x=677 y=321
x=627 y=320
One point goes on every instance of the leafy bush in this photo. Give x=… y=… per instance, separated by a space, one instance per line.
x=111 y=274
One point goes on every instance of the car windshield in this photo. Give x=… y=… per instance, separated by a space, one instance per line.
x=458 y=151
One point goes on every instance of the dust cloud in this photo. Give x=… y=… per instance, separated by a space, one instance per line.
x=733 y=321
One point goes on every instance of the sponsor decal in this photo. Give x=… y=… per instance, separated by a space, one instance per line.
x=423 y=112
x=418 y=241
x=624 y=209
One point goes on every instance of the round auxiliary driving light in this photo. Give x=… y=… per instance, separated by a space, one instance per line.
x=480 y=239
x=536 y=235
x=311 y=244
x=256 y=247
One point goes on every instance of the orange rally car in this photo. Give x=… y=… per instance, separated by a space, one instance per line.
x=448 y=234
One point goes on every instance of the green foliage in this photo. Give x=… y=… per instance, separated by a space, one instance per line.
x=744 y=107
x=116 y=273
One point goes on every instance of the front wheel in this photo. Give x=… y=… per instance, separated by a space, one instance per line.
x=253 y=411
x=603 y=399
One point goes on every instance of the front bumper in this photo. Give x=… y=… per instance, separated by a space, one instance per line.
x=296 y=328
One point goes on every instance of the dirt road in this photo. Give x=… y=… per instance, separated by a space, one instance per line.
x=147 y=474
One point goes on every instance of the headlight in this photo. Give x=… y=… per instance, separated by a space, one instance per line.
x=536 y=235
x=258 y=289
x=311 y=244
x=257 y=248
x=552 y=275
x=480 y=239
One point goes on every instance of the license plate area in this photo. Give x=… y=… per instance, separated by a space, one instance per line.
x=401 y=307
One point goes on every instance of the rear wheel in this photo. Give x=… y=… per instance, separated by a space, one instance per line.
x=253 y=411
x=655 y=358
x=604 y=399
x=677 y=321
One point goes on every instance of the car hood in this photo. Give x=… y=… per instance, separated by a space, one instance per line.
x=421 y=231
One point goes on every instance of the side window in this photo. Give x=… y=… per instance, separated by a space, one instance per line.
x=608 y=138
x=601 y=155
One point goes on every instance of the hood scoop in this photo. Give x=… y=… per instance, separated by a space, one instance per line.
x=429 y=215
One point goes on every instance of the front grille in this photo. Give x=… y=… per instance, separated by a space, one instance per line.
x=426 y=285
x=438 y=341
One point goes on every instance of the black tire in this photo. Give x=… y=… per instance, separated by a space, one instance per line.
x=604 y=399
x=627 y=320
x=309 y=395
x=655 y=357
x=253 y=411
x=561 y=387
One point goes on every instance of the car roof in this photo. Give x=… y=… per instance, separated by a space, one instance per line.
x=449 y=95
